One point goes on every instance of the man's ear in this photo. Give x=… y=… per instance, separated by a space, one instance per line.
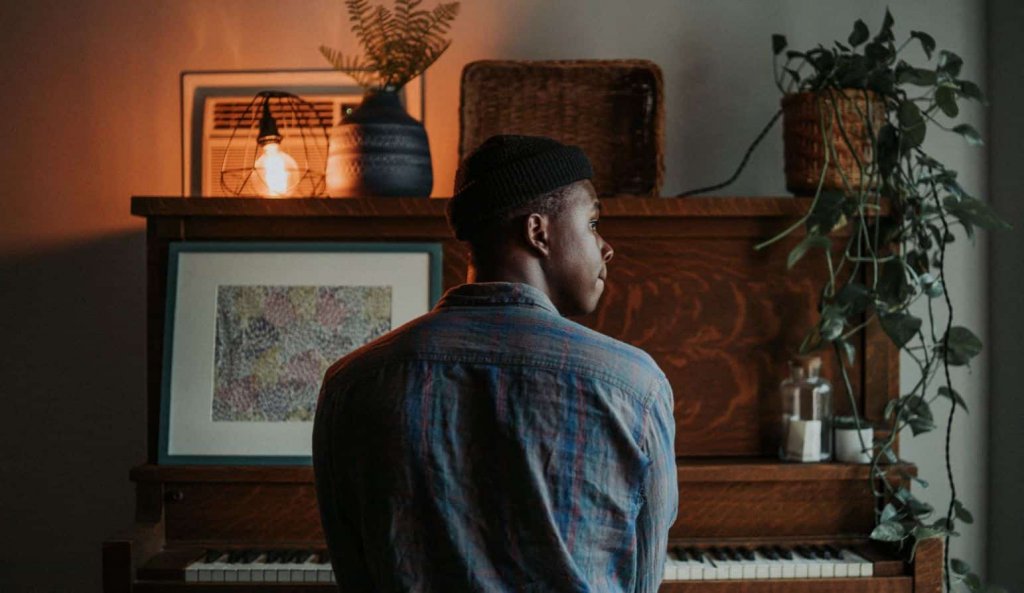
x=538 y=234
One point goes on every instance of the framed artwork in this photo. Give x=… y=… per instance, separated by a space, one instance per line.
x=251 y=328
x=212 y=101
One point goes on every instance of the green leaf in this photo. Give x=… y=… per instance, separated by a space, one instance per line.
x=900 y=327
x=860 y=33
x=949 y=64
x=827 y=211
x=918 y=415
x=971 y=91
x=853 y=298
x=973 y=582
x=963 y=346
x=911 y=124
x=889 y=513
x=962 y=514
x=970 y=134
x=915 y=76
x=959 y=566
x=809 y=241
x=920 y=533
x=778 y=43
x=945 y=98
x=885 y=33
x=927 y=42
x=832 y=322
x=952 y=395
x=893 y=288
x=888 y=531
x=975 y=212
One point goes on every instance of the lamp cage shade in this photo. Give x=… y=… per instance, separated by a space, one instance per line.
x=277 y=147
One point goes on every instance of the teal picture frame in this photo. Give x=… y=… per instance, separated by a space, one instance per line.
x=233 y=257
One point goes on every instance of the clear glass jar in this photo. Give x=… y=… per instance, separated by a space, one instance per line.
x=806 y=412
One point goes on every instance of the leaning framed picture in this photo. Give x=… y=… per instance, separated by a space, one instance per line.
x=251 y=328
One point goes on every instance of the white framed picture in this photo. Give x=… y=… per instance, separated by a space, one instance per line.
x=251 y=328
x=210 y=98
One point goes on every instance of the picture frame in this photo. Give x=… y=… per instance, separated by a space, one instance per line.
x=197 y=88
x=251 y=327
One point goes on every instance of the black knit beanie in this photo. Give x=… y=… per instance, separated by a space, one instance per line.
x=508 y=171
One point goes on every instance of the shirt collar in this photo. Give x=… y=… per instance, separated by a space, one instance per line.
x=483 y=294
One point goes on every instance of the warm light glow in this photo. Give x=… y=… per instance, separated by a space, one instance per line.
x=275 y=171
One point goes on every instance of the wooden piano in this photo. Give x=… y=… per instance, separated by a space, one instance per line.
x=686 y=285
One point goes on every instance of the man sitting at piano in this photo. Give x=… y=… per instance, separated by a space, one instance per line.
x=493 y=444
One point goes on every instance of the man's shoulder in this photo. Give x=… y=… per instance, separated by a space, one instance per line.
x=521 y=337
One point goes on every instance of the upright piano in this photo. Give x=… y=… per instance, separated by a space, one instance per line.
x=686 y=285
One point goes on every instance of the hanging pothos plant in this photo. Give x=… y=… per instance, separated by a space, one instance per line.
x=874 y=111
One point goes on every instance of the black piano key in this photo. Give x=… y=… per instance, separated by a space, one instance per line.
x=679 y=552
x=804 y=552
x=768 y=552
x=716 y=554
x=212 y=556
x=836 y=552
x=745 y=552
x=730 y=553
x=695 y=554
x=250 y=556
x=821 y=553
x=785 y=553
x=235 y=556
x=273 y=556
x=322 y=557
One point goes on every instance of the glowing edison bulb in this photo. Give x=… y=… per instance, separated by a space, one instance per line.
x=276 y=170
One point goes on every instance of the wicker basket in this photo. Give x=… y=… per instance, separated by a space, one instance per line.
x=612 y=109
x=805 y=115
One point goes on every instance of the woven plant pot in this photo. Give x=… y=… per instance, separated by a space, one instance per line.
x=809 y=118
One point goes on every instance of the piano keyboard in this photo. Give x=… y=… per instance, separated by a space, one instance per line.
x=764 y=562
x=684 y=563
x=252 y=566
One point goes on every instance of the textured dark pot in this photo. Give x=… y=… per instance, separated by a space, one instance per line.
x=379 y=150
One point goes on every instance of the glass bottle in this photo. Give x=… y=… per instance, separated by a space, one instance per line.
x=806 y=412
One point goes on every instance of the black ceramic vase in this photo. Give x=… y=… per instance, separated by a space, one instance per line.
x=379 y=150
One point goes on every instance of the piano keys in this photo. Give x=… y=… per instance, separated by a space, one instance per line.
x=255 y=566
x=764 y=562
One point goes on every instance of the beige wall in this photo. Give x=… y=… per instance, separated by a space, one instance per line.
x=89 y=117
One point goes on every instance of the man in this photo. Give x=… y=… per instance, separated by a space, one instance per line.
x=492 y=444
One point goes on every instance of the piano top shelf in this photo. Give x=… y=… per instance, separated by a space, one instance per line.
x=690 y=469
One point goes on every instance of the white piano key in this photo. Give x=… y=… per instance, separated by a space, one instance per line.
x=858 y=565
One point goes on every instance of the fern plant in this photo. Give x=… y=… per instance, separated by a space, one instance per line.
x=398 y=44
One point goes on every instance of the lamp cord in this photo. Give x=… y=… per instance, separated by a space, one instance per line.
x=743 y=163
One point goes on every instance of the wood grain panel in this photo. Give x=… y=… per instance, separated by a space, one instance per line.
x=209 y=513
x=721 y=319
x=717 y=510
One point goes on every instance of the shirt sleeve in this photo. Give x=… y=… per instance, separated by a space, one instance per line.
x=660 y=490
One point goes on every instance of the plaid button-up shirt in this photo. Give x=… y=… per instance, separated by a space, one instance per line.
x=493 y=445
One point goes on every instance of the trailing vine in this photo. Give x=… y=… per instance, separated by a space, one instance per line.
x=889 y=263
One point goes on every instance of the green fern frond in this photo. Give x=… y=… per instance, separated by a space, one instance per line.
x=398 y=45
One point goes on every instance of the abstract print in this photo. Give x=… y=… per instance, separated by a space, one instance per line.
x=274 y=344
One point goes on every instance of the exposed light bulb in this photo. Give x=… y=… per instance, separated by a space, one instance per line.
x=275 y=171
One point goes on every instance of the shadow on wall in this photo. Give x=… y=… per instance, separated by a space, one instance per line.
x=72 y=379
